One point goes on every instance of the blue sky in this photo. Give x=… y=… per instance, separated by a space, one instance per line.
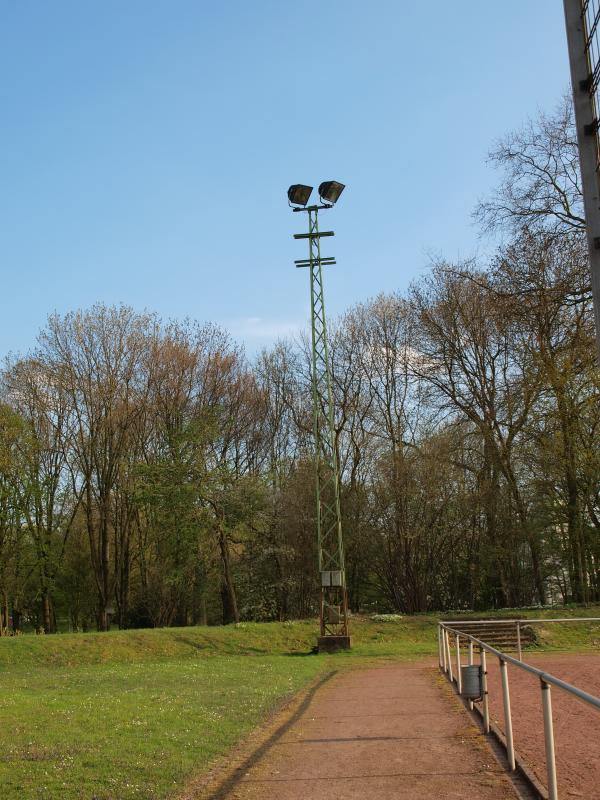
x=146 y=147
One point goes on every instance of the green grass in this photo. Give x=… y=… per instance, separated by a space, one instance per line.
x=572 y=637
x=132 y=730
x=133 y=714
x=409 y=637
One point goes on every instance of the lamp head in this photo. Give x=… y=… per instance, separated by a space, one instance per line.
x=299 y=195
x=330 y=191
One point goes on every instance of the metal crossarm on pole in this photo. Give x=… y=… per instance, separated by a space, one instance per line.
x=314 y=234
x=333 y=600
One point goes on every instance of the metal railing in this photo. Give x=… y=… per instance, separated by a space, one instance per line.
x=447 y=632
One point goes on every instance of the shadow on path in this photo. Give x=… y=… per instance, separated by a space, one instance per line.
x=228 y=784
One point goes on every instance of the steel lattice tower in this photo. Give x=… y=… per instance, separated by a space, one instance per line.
x=333 y=605
x=582 y=19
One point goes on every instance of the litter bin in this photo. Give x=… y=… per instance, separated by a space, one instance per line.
x=471 y=682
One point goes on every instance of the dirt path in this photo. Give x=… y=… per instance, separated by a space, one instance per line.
x=386 y=732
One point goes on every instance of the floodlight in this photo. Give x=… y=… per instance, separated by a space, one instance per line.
x=330 y=191
x=298 y=194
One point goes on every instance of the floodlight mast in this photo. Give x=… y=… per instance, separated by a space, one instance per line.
x=333 y=611
x=582 y=22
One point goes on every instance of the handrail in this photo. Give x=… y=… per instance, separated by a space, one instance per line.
x=546 y=677
x=446 y=630
x=541 y=620
x=525 y=620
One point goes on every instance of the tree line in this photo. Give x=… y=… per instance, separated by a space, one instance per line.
x=151 y=474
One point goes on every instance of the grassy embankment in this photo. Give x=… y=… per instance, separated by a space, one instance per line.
x=132 y=714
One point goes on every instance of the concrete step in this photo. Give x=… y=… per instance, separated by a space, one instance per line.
x=497 y=633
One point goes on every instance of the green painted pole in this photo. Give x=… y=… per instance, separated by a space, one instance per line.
x=332 y=577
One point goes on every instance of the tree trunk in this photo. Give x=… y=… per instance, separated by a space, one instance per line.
x=124 y=570
x=4 y=615
x=105 y=565
x=102 y=615
x=46 y=609
x=578 y=571
x=228 y=598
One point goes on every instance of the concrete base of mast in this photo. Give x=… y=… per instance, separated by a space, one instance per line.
x=330 y=644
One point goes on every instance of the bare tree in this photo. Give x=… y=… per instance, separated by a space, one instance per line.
x=541 y=273
x=47 y=498
x=98 y=359
x=540 y=187
x=465 y=352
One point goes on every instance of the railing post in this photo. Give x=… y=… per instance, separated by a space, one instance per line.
x=458 y=672
x=519 y=641
x=470 y=662
x=510 y=748
x=439 y=632
x=549 y=741
x=449 y=657
x=484 y=690
x=444 y=649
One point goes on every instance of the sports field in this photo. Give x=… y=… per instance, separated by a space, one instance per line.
x=138 y=714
